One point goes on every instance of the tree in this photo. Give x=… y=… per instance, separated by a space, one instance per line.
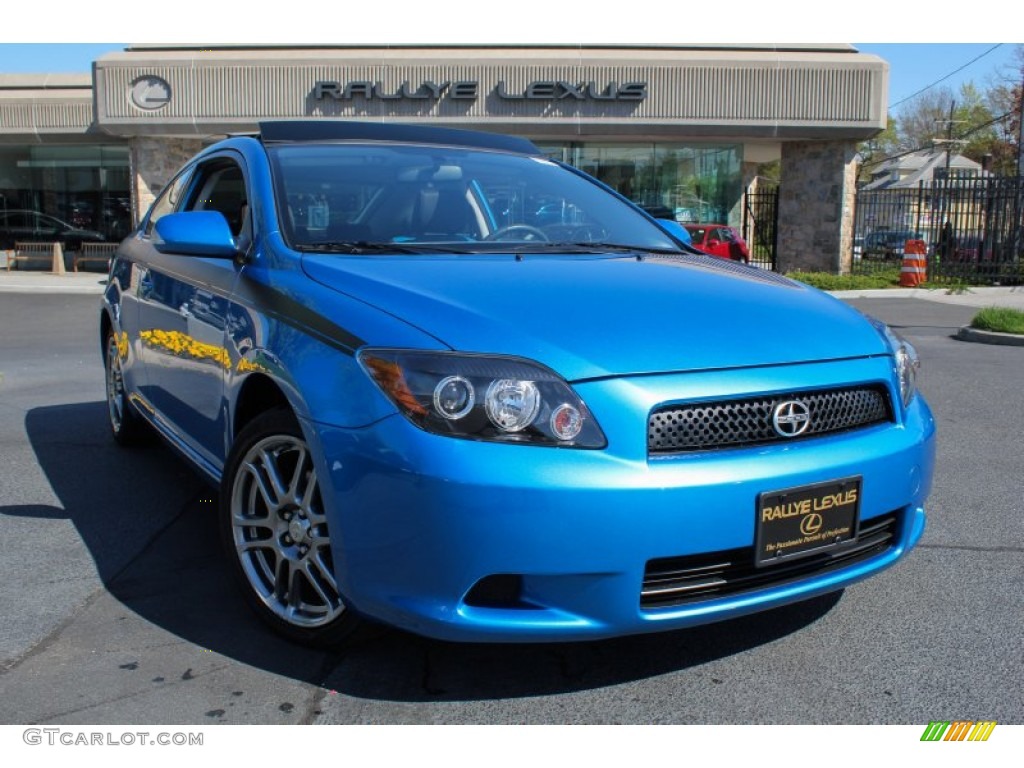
x=923 y=118
x=877 y=149
x=986 y=123
x=1004 y=97
x=976 y=129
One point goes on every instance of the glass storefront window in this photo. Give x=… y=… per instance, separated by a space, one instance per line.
x=696 y=182
x=80 y=192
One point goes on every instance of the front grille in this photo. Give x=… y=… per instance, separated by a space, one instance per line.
x=734 y=423
x=673 y=581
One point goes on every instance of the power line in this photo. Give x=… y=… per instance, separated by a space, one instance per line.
x=946 y=77
x=993 y=121
x=962 y=136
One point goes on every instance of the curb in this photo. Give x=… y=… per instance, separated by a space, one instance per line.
x=52 y=290
x=967 y=333
x=56 y=285
x=927 y=293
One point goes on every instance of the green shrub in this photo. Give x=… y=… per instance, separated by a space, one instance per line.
x=826 y=281
x=999 y=319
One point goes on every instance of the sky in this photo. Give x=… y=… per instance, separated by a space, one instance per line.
x=914 y=66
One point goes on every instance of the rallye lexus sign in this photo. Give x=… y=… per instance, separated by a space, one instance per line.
x=538 y=90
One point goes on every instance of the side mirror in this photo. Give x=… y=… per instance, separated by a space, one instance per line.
x=676 y=230
x=195 y=233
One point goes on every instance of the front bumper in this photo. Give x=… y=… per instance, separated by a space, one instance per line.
x=419 y=520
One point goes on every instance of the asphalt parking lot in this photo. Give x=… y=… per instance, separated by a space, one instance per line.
x=119 y=609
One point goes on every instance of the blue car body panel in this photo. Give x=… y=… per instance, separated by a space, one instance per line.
x=418 y=519
x=580 y=525
x=670 y=313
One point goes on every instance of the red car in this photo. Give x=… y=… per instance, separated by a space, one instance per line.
x=719 y=240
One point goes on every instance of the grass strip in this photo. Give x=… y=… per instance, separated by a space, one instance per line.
x=1000 y=320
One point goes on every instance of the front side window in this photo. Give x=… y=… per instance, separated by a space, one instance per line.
x=333 y=195
x=221 y=188
x=167 y=202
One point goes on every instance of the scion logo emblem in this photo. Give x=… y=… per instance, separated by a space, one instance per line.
x=791 y=418
x=811 y=524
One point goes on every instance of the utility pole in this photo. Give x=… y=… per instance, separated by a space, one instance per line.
x=949 y=133
x=1018 y=201
x=949 y=141
x=942 y=207
x=1020 y=127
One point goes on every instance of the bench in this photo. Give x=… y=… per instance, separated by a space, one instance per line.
x=52 y=252
x=95 y=252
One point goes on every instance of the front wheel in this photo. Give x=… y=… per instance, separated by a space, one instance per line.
x=276 y=534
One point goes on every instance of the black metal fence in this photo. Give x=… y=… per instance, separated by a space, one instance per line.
x=971 y=227
x=761 y=224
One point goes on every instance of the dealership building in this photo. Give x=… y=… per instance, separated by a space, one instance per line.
x=679 y=127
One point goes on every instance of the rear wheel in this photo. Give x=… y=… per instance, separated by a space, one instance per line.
x=276 y=534
x=126 y=426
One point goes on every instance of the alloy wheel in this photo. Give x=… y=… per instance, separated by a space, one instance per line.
x=279 y=533
x=115 y=386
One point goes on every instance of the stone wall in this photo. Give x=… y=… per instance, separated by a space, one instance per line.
x=154 y=161
x=816 y=204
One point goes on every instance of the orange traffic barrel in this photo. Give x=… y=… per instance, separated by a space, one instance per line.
x=915 y=263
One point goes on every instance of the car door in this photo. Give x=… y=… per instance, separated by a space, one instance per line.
x=731 y=248
x=722 y=238
x=183 y=301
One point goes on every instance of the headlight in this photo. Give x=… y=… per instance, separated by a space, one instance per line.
x=907 y=364
x=907 y=361
x=482 y=397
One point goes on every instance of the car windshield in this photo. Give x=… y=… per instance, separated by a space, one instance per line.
x=409 y=199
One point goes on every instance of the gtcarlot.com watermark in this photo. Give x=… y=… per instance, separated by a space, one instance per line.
x=71 y=738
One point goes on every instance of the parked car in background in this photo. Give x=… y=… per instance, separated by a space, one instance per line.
x=425 y=408
x=35 y=227
x=887 y=244
x=974 y=249
x=720 y=240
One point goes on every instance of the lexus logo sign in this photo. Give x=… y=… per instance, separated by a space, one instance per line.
x=791 y=418
x=150 y=92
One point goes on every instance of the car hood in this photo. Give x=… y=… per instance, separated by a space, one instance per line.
x=589 y=316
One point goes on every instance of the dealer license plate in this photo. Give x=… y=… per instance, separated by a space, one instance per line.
x=806 y=520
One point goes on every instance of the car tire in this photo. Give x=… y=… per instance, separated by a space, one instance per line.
x=126 y=425
x=274 y=531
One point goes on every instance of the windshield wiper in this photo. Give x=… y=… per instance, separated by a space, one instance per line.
x=541 y=246
x=364 y=246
